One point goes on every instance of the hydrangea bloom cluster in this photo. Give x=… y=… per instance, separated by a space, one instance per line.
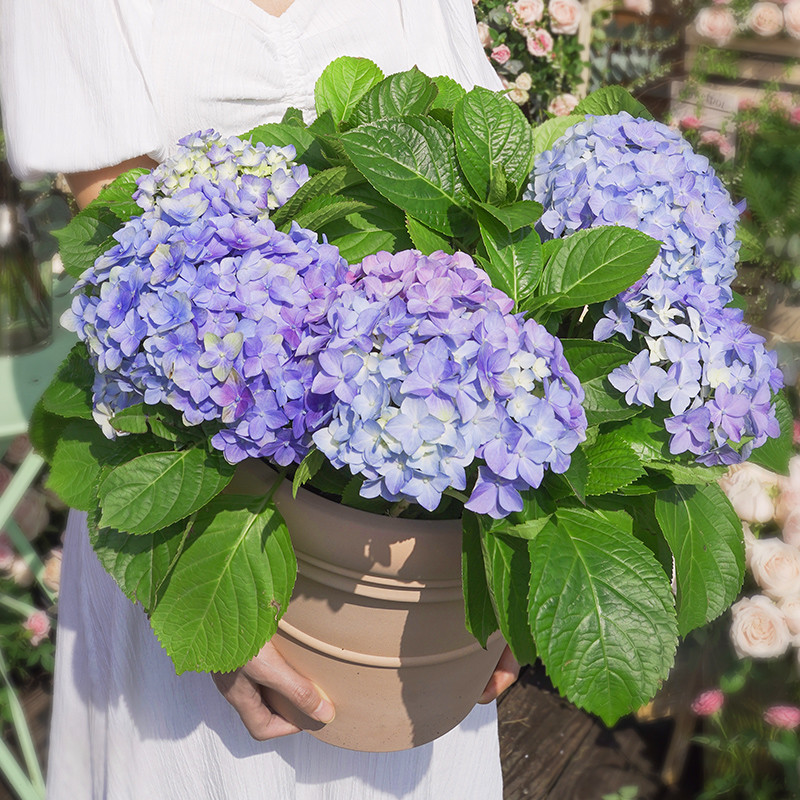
x=204 y=305
x=260 y=177
x=715 y=373
x=432 y=372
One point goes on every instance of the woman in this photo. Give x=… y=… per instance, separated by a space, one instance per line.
x=95 y=87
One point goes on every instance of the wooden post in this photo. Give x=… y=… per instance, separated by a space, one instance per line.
x=585 y=41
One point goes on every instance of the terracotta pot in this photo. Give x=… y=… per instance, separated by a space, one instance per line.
x=377 y=620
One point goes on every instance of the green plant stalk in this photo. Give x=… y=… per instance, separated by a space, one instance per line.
x=13 y=773
x=34 y=788
x=13 y=604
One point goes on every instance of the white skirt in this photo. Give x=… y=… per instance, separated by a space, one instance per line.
x=126 y=727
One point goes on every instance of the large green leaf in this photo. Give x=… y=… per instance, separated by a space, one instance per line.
x=612 y=100
x=480 y=617
x=45 y=430
x=157 y=489
x=508 y=575
x=601 y=612
x=515 y=216
x=228 y=588
x=515 y=258
x=774 y=454
x=596 y=264
x=705 y=537
x=399 y=95
x=343 y=83
x=412 y=163
x=612 y=464
x=647 y=436
x=117 y=197
x=425 y=240
x=139 y=564
x=328 y=182
x=449 y=92
x=491 y=133
x=549 y=132
x=70 y=392
x=323 y=210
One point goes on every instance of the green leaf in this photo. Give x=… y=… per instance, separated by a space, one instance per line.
x=515 y=258
x=280 y=134
x=117 y=197
x=480 y=620
x=399 y=95
x=343 y=83
x=774 y=454
x=449 y=92
x=352 y=497
x=425 y=240
x=612 y=100
x=692 y=474
x=646 y=436
x=307 y=469
x=601 y=612
x=517 y=215
x=45 y=430
x=412 y=163
x=228 y=588
x=328 y=182
x=131 y=420
x=293 y=116
x=612 y=464
x=139 y=564
x=154 y=490
x=596 y=264
x=705 y=537
x=523 y=530
x=70 y=392
x=549 y=132
x=491 y=134
x=321 y=211
x=577 y=474
x=508 y=575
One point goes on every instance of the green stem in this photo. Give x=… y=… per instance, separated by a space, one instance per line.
x=12 y=772
x=451 y=492
x=11 y=603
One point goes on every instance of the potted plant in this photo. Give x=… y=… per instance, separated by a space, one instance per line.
x=559 y=407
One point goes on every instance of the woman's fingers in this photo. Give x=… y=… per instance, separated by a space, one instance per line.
x=270 y=669
x=268 y=694
x=245 y=697
x=505 y=673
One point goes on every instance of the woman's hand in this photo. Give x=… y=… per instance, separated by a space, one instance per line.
x=87 y=185
x=505 y=673
x=265 y=683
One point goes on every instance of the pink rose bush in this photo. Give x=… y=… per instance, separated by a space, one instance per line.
x=708 y=703
x=539 y=43
x=768 y=18
x=563 y=105
x=716 y=23
x=565 y=16
x=765 y=19
x=501 y=54
x=38 y=624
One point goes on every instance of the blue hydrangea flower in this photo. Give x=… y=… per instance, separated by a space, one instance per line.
x=434 y=372
x=698 y=355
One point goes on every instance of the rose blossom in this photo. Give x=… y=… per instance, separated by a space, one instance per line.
x=746 y=104
x=788 y=500
x=776 y=567
x=501 y=54
x=563 y=105
x=644 y=7
x=689 y=122
x=539 y=43
x=791 y=18
x=790 y=530
x=750 y=490
x=484 y=34
x=758 y=629
x=785 y=717
x=529 y=11
x=765 y=19
x=517 y=95
x=39 y=625
x=790 y=606
x=708 y=703
x=565 y=16
x=21 y=573
x=716 y=139
x=52 y=571
x=716 y=23
x=524 y=81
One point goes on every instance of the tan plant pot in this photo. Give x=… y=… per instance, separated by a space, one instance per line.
x=377 y=620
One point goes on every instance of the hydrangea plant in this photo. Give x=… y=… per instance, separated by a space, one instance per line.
x=390 y=330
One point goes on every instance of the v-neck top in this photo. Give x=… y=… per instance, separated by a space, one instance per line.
x=89 y=83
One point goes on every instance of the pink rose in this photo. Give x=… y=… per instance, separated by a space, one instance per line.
x=791 y=18
x=708 y=703
x=785 y=717
x=758 y=629
x=790 y=531
x=776 y=567
x=790 y=606
x=689 y=123
x=716 y=23
x=716 y=139
x=565 y=16
x=484 y=34
x=794 y=118
x=563 y=105
x=746 y=104
x=501 y=54
x=644 y=7
x=39 y=626
x=529 y=11
x=765 y=19
x=750 y=488
x=539 y=42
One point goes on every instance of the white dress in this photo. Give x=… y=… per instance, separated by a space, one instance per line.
x=89 y=83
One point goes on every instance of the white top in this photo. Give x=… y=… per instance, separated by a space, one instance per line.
x=89 y=83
